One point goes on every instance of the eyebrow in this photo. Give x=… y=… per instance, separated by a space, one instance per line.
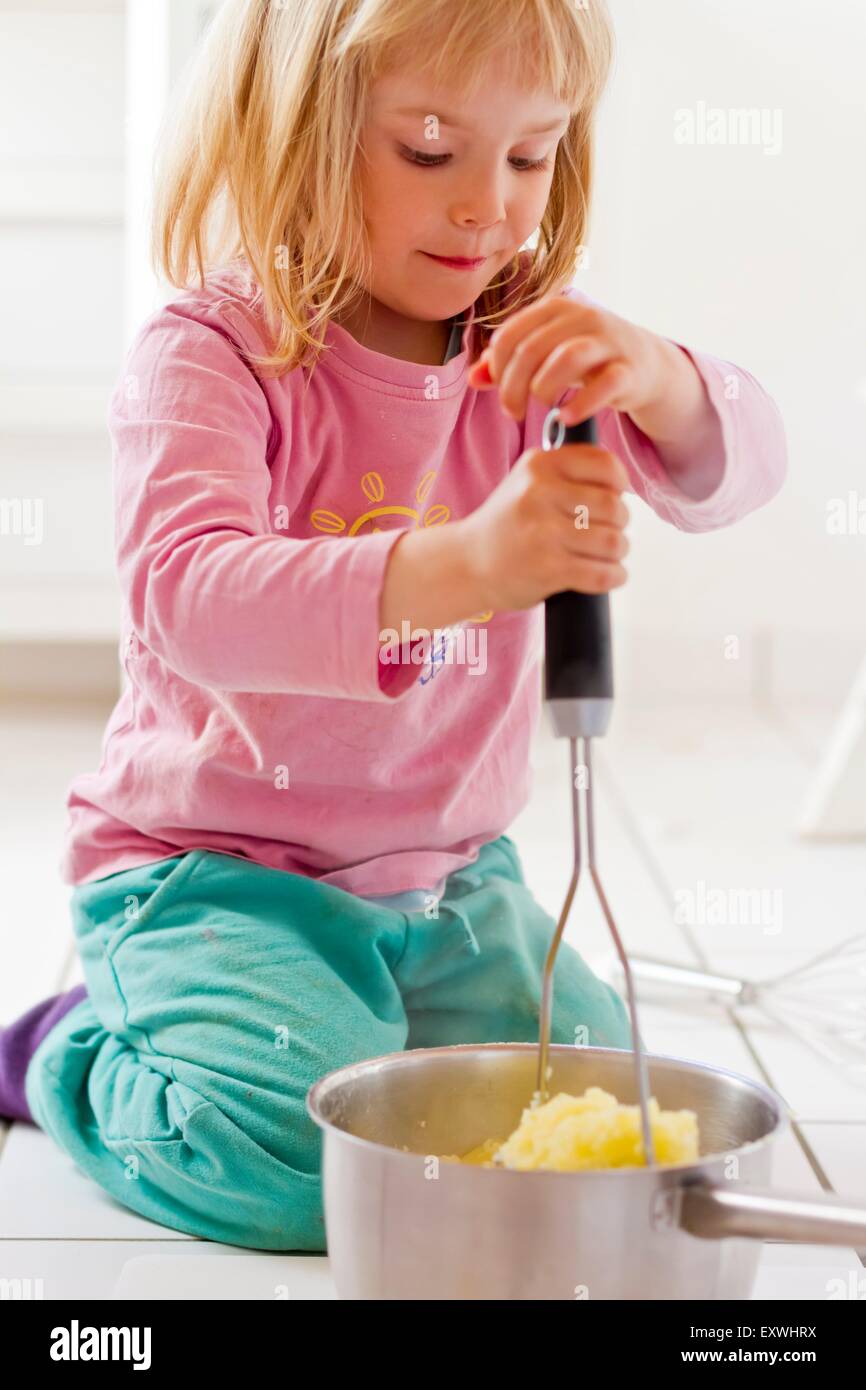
x=445 y=119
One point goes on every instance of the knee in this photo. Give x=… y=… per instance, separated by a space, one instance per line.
x=214 y=1181
x=212 y=1157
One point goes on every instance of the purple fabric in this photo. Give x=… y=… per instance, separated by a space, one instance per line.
x=19 y=1041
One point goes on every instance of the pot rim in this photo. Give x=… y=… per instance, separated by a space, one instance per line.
x=329 y=1080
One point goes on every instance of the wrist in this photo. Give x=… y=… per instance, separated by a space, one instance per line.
x=686 y=432
x=679 y=407
x=430 y=579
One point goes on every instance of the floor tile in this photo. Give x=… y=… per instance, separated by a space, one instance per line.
x=43 y=1195
x=816 y=1274
x=127 y=1269
x=842 y=1151
x=200 y=1274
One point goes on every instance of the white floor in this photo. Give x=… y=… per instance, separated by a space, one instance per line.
x=689 y=801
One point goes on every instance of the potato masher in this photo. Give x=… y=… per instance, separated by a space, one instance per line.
x=578 y=687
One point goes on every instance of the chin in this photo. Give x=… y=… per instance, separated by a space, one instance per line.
x=430 y=311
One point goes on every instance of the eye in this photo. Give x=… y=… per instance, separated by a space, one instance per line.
x=429 y=161
x=522 y=164
x=432 y=161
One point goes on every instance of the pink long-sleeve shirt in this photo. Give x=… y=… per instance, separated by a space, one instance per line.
x=254 y=520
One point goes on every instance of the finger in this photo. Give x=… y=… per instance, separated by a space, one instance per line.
x=586 y=574
x=506 y=337
x=524 y=364
x=587 y=463
x=569 y=364
x=606 y=543
x=590 y=506
x=605 y=387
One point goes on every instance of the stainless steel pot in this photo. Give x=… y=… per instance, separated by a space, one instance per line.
x=401 y=1225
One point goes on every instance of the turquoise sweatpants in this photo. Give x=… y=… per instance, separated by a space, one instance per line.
x=219 y=991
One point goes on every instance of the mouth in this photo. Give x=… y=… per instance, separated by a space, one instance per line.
x=457 y=262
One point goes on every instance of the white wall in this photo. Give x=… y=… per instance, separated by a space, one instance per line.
x=755 y=258
x=83 y=84
x=758 y=259
x=61 y=248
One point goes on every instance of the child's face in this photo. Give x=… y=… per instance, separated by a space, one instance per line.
x=482 y=200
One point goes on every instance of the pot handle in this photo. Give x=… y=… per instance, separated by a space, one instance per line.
x=713 y=1211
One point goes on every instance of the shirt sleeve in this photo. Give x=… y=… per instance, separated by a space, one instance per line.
x=750 y=467
x=211 y=586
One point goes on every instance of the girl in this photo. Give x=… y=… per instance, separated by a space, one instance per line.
x=293 y=854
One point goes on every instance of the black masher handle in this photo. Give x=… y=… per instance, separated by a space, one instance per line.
x=578 y=663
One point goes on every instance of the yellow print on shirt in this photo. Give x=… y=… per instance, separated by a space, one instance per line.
x=374 y=491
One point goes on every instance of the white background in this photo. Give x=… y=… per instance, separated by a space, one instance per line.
x=755 y=258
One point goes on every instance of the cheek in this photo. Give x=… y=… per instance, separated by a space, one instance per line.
x=381 y=192
x=398 y=206
x=527 y=209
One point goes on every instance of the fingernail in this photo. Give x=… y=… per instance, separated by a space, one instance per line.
x=482 y=370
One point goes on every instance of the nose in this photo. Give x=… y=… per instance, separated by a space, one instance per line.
x=480 y=202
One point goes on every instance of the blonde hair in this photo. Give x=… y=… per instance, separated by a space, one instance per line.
x=260 y=145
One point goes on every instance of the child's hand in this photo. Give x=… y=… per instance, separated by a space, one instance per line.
x=548 y=347
x=555 y=522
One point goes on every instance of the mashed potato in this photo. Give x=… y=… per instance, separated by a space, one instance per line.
x=571 y=1133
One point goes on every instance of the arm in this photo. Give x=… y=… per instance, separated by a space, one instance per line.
x=711 y=452
x=429 y=580
x=213 y=588
x=709 y=449
x=685 y=428
x=719 y=454
x=429 y=583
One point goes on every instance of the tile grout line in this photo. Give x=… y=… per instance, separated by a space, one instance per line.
x=112 y=1240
